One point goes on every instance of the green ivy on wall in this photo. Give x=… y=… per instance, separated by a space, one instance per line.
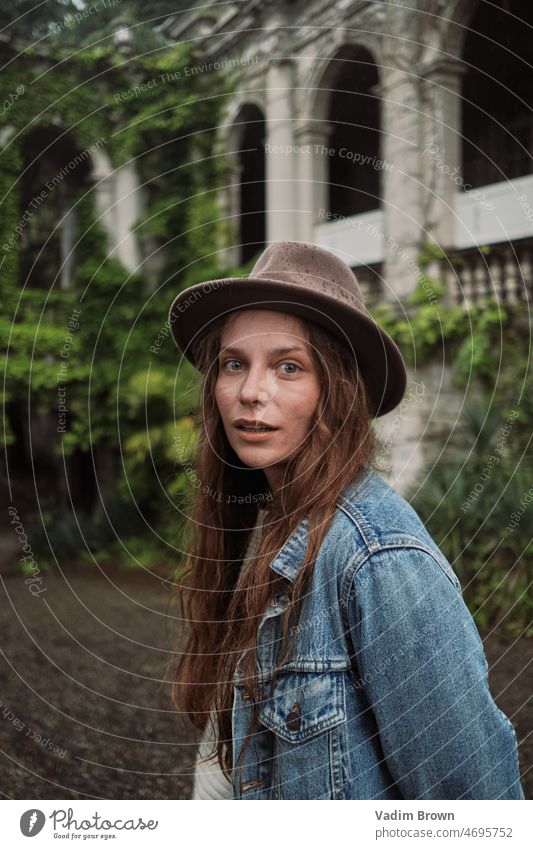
x=146 y=111
x=468 y=500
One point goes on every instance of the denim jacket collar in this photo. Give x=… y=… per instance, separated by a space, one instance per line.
x=290 y=557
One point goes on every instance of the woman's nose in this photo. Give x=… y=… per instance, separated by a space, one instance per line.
x=254 y=387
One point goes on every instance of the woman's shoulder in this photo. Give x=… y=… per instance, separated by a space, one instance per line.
x=372 y=517
x=379 y=513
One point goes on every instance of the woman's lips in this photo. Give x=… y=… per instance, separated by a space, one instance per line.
x=255 y=436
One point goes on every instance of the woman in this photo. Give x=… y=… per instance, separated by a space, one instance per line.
x=329 y=652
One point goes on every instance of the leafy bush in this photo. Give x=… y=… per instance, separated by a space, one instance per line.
x=478 y=510
x=76 y=536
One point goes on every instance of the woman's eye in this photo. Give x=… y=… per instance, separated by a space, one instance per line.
x=229 y=366
x=292 y=365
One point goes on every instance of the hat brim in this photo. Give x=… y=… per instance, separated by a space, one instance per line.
x=378 y=357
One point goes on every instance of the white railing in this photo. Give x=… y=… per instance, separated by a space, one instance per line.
x=504 y=272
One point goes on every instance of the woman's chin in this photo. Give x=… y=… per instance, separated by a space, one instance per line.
x=258 y=457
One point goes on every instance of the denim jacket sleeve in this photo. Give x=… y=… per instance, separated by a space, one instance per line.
x=423 y=669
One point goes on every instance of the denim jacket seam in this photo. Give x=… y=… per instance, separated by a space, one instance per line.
x=370 y=539
x=354 y=566
x=360 y=559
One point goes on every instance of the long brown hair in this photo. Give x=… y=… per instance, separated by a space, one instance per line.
x=220 y=619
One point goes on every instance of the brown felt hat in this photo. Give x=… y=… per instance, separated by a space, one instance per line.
x=311 y=283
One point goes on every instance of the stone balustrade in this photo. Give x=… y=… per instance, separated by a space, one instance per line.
x=503 y=272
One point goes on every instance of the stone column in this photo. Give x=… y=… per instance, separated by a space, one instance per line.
x=102 y=177
x=400 y=179
x=441 y=146
x=228 y=199
x=313 y=177
x=428 y=417
x=119 y=203
x=281 y=165
x=129 y=208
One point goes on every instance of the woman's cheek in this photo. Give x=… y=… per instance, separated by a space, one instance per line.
x=220 y=395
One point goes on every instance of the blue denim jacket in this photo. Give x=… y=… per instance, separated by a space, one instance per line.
x=385 y=694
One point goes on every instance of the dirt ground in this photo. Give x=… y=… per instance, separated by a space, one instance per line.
x=85 y=708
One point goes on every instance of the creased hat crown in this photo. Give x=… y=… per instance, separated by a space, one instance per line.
x=309 y=265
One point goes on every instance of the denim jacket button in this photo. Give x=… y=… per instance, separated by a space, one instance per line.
x=281 y=599
x=294 y=719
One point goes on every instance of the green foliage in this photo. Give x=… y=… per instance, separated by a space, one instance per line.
x=71 y=25
x=488 y=346
x=164 y=440
x=81 y=538
x=497 y=355
x=477 y=352
x=476 y=507
x=28 y=19
x=427 y=327
x=431 y=252
x=122 y=390
x=176 y=127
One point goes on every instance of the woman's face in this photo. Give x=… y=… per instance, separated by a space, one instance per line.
x=261 y=380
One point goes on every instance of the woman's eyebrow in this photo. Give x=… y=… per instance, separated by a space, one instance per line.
x=275 y=351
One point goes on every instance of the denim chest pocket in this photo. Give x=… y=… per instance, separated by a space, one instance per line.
x=304 y=704
x=306 y=714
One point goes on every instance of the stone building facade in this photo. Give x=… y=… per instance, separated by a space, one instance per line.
x=371 y=128
x=375 y=129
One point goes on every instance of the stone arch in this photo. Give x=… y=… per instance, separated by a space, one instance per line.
x=242 y=139
x=117 y=194
x=444 y=31
x=54 y=171
x=451 y=33
x=232 y=127
x=346 y=122
x=316 y=98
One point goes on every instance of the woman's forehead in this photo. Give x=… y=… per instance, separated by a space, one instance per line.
x=247 y=325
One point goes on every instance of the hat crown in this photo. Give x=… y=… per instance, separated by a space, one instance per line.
x=305 y=264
